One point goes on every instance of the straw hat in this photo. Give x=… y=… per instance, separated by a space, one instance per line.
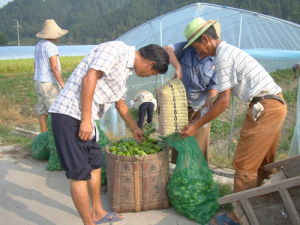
x=51 y=30
x=197 y=27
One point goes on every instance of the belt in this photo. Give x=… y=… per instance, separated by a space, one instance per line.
x=277 y=97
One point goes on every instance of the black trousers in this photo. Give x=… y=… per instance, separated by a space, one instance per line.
x=143 y=108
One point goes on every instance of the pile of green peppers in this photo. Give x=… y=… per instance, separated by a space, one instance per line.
x=129 y=147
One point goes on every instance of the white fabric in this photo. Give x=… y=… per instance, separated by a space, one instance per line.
x=144 y=96
x=257 y=111
x=44 y=49
x=116 y=60
x=237 y=70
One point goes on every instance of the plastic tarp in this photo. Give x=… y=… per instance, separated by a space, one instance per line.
x=27 y=52
x=273 y=42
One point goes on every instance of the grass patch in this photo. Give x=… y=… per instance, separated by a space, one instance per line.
x=8 y=135
x=283 y=76
x=219 y=128
x=225 y=189
x=290 y=96
x=25 y=66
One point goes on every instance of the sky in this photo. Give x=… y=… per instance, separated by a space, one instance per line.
x=4 y=2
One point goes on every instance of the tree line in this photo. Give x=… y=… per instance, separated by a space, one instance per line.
x=95 y=21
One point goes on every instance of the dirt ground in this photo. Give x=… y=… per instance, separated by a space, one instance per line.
x=31 y=195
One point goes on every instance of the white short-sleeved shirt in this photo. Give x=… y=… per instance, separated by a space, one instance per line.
x=237 y=70
x=116 y=60
x=145 y=96
x=44 y=49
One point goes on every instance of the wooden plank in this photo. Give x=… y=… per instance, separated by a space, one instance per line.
x=137 y=187
x=250 y=212
x=289 y=204
x=291 y=182
x=289 y=161
x=240 y=213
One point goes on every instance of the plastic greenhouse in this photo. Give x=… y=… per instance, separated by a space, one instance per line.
x=272 y=41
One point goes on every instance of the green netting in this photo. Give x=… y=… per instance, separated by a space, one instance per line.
x=103 y=140
x=103 y=176
x=43 y=148
x=39 y=146
x=191 y=189
x=54 y=162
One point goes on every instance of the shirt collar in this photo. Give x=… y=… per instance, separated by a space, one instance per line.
x=131 y=57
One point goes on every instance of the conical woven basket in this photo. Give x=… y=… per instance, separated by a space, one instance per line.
x=172 y=107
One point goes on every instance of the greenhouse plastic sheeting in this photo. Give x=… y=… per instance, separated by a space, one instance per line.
x=295 y=144
x=27 y=52
x=263 y=37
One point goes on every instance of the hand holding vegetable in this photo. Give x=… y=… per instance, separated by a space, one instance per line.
x=137 y=134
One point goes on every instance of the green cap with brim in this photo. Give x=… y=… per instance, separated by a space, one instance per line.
x=197 y=27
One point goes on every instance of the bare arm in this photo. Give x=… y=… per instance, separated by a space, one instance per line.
x=87 y=94
x=122 y=108
x=174 y=61
x=55 y=70
x=210 y=97
x=218 y=107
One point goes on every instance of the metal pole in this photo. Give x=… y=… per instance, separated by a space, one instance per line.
x=233 y=99
x=161 y=44
x=17 y=27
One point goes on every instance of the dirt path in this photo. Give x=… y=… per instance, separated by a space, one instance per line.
x=31 y=195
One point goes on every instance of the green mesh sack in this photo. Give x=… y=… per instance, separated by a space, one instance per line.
x=191 y=189
x=103 y=176
x=39 y=146
x=54 y=162
x=103 y=140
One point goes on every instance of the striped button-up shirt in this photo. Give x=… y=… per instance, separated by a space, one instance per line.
x=237 y=70
x=116 y=60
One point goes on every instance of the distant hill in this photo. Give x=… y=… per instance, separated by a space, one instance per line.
x=95 y=21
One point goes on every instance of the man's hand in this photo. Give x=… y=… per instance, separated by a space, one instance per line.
x=85 y=130
x=189 y=130
x=137 y=134
x=178 y=74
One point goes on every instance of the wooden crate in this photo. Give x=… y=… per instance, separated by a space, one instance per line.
x=137 y=183
x=277 y=203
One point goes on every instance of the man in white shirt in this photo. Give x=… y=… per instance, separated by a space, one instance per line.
x=47 y=75
x=146 y=104
x=97 y=82
x=239 y=73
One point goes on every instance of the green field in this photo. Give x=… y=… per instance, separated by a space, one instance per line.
x=17 y=99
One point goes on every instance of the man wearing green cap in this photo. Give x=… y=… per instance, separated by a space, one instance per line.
x=239 y=73
x=198 y=76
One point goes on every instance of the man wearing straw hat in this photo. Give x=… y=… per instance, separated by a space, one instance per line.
x=198 y=76
x=47 y=76
x=240 y=74
x=97 y=82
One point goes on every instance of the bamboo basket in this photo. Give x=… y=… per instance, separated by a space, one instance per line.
x=137 y=183
x=172 y=107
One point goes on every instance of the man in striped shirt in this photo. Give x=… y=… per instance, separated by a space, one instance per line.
x=239 y=73
x=97 y=82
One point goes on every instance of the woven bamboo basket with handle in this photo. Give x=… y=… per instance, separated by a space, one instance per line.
x=172 y=107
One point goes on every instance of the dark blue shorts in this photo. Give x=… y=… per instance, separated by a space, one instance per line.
x=78 y=158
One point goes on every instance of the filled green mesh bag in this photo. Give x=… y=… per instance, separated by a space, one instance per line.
x=54 y=162
x=39 y=146
x=103 y=141
x=191 y=189
x=103 y=176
